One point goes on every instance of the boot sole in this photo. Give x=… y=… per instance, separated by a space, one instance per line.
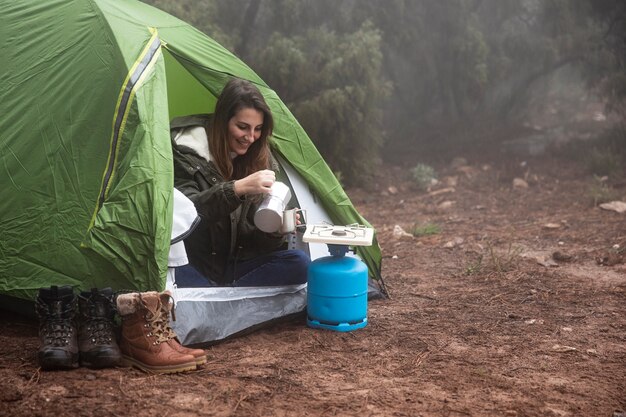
x=167 y=369
x=103 y=357
x=98 y=363
x=56 y=362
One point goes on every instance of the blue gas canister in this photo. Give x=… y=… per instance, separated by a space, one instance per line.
x=337 y=286
x=337 y=292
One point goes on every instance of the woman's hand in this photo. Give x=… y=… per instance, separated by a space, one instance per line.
x=258 y=183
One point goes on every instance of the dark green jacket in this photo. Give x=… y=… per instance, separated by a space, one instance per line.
x=226 y=232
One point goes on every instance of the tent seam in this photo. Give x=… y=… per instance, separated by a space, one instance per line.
x=127 y=93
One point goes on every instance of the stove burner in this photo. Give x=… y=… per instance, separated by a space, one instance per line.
x=353 y=235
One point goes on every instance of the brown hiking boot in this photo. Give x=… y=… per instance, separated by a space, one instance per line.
x=144 y=342
x=56 y=308
x=166 y=309
x=96 y=336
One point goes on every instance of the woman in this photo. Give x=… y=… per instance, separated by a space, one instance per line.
x=222 y=162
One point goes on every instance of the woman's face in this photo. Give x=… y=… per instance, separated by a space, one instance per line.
x=244 y=128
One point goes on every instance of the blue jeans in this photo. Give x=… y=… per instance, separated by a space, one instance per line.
x=286 y=267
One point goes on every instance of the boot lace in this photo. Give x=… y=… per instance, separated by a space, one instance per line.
x=165 y=315
x=158 y=325
x=99 y=325
x=100 y=330
x=56 y=323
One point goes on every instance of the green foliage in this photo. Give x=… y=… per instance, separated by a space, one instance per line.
x=426 y=229
x=473 y=53
x=475 y=267
x=362 y=74
x=332 y=84
x=599 y=191
x=605 y=53
x=502 y=262
x=436 y=57
x=604 y=162
x=604 y=155
x=496 y=263
x=423 y=175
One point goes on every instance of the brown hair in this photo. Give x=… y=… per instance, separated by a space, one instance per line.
x=239 y=94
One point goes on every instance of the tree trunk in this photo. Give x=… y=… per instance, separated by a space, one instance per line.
x=246 y=29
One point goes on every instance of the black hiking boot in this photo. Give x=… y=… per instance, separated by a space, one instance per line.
x=56 y=308
x=96 y=334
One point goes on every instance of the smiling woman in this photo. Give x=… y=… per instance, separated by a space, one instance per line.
x=244 y=129
x=222 y=162
x=240 y=112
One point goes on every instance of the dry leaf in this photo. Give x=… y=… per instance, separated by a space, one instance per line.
x=442 y=191
x=563 y=348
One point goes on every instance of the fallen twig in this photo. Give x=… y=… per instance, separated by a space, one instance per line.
x=34 y=377
x=241 y=398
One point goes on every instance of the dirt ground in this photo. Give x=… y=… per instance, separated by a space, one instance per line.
x=515 y=306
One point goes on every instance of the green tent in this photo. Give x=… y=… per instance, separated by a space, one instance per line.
x=87 y=90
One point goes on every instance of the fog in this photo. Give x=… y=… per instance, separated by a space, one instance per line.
x=428 y=80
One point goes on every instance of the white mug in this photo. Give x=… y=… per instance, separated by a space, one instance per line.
x=290 y=220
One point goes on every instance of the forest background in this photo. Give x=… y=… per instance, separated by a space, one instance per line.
x=372 y=79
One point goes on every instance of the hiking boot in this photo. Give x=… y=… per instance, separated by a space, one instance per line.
x=144 y=342
x=56 y=309
x=96 y=335
x=167 y=307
